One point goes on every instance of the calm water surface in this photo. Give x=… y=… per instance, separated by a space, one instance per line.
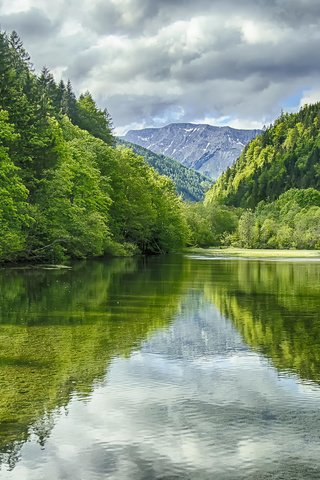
x=161 y=368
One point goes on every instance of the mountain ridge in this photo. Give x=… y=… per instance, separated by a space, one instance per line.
x=208 y=149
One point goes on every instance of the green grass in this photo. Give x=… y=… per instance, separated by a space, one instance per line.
x=253 y=253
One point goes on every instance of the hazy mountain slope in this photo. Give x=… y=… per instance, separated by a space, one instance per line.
x=190 y=184
x=285 y=156
x=207 y=149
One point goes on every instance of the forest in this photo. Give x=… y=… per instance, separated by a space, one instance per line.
x=270 y=196
x=286 y=155
x=69 y=190
x=66 y=190
x=190 y=184
x=290 y=222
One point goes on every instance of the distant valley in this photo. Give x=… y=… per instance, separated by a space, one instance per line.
x=205 y=148
x=190 y=184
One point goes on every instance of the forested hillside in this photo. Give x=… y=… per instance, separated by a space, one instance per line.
x=190 y=184
x=66 y=191
x=291 y=221
x=270 y=198
x=284 y=156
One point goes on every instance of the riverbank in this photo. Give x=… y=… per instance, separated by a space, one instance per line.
x=252 y=253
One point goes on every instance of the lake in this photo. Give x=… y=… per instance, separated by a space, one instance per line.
x=169 y=367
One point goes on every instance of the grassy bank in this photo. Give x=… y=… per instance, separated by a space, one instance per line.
x=253 y=253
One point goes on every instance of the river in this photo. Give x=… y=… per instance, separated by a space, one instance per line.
x=164 y=368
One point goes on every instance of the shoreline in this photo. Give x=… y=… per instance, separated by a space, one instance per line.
x=252 y=253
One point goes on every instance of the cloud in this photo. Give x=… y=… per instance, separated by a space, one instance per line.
x=33 y=24
x=310 y=96
x=155 y=61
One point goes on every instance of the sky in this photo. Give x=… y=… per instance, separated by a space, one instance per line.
x=154 y=62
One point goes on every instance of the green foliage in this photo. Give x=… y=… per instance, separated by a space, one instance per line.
x=14 y=216
x=283 y=157
x=72 y=203
x=146 y=209
x=210 y=224
x=247 y=230
x=291 y=221
x=91 y=118
x=65 y=191
x=278 y=173
x=190 y=184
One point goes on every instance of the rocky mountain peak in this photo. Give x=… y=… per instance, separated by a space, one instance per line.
x=206 y=148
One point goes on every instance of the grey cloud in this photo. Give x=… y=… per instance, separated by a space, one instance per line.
x=107 y=17
x=81 y=66
x=139 y=108
x=272 y=62
x=230 y=59
x=138 y=16
x=32 y=23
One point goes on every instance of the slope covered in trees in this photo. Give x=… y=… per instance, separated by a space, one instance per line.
x=190 y=184
x=65 y=189
x=284 y=156
x=291 y=221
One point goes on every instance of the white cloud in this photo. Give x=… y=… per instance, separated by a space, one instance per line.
x=310 y=96
x=261 y=32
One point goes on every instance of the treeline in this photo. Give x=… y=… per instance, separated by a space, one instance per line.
x=286 y=155
x=66 y=191
x=292 y=221
x=192 y=185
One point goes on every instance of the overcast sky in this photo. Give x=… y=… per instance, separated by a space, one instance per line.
x=152 y=62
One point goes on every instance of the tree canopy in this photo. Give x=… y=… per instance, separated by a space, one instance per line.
x=65 y=190
x=285 y=156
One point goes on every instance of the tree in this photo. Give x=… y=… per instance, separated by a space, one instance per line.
x=14 y=216
x=72 y=204
x=91 y=118
x=246 y=230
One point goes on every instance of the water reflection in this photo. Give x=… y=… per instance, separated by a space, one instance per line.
x=275 y=307
x=60 y=329
x=161 y=369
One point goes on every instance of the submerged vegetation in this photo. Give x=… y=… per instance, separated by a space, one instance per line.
x=60 y=330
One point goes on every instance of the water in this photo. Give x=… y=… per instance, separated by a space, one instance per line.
x=161 y=368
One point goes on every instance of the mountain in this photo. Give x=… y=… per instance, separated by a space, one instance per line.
x=207 y=149
x=190 y=184
x=285 y=156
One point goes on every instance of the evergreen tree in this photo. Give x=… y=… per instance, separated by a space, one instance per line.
x=91 y=118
